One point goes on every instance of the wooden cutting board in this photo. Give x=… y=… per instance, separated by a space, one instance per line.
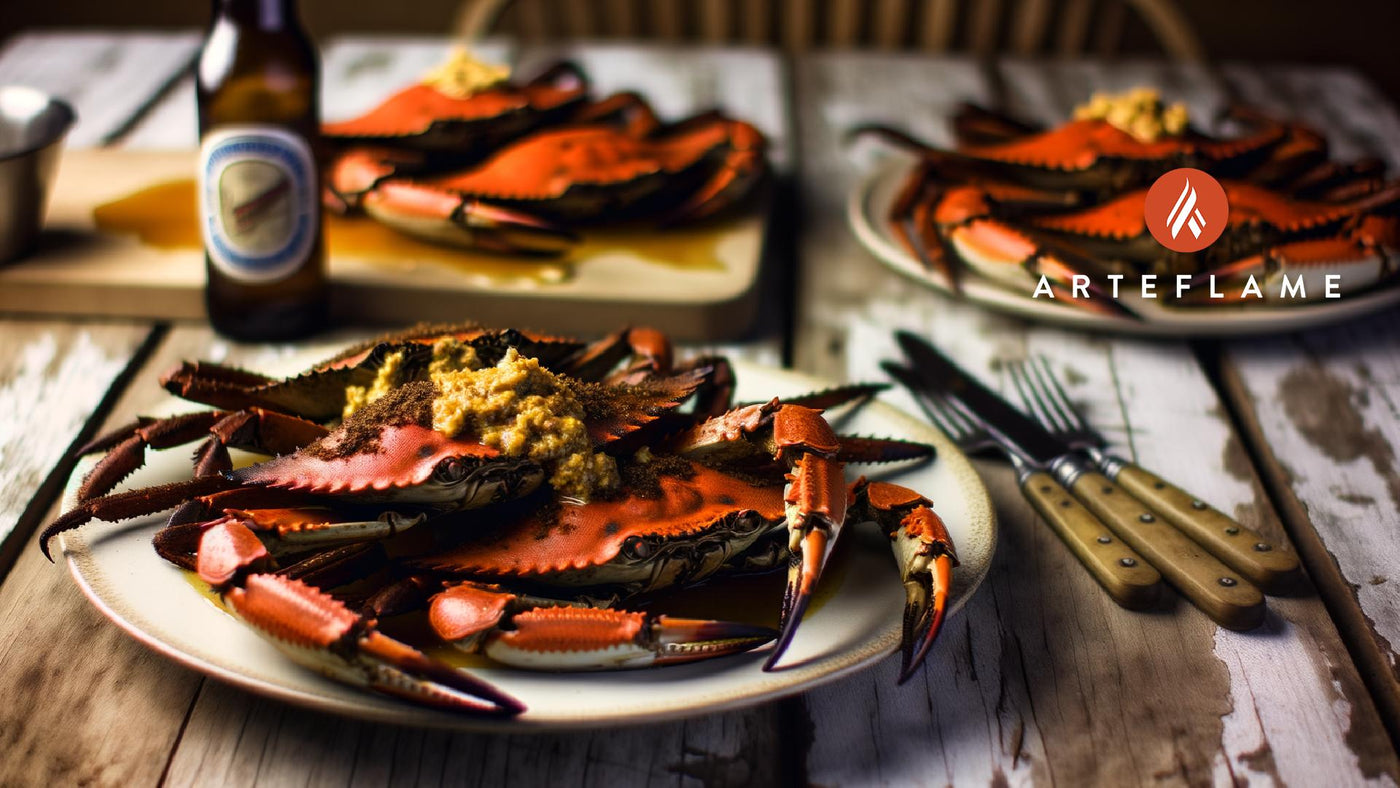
x=121 y=239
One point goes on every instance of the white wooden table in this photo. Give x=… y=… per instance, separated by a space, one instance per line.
x=1041 y=680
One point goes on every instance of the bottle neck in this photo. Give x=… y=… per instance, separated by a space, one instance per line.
x=263 y=14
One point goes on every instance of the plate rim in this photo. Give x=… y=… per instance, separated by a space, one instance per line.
x=1158 y=321
x=84 y=570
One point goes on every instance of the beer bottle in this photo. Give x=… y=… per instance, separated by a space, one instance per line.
x=259 y=189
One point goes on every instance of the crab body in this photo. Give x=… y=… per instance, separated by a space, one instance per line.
x=465 y=122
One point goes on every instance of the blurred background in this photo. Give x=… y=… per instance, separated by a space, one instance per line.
x=1352 y=32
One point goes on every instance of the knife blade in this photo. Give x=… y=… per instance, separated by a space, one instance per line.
x=1212 y=586
x=1126 y=576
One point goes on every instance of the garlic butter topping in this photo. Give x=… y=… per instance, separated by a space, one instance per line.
x=462 y=75
x=1139 y=112
x=516 y=407
x=524 y=410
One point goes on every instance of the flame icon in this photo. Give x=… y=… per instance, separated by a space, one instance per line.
x=1186 y=213
x=1198 y=195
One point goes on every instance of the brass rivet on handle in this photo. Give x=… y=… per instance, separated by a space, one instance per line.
x=1227 y=581
x=1232 y=530
x=1147 y=518
x=1128 y=561
x=1198 y=505
x=1262 y=547
x=1105 y=539
x=1160 y=485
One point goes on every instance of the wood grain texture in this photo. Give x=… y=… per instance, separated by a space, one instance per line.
x=61 y=372
x=112 y=710
x=107 y=77
x=237 y=739
x=1323 y=403
x=1324 y=408
x=1043 y=678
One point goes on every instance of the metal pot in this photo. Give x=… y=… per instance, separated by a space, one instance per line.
x=32 y=128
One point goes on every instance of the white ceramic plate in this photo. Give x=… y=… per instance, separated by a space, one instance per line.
x=868 y=206
x=857 y=625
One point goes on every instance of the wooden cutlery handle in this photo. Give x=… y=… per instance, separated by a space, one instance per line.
x=1126 y=576
x=1243 y=549
x=1215 y=588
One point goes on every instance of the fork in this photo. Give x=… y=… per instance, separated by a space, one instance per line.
x=1127 y=577
x=1241 y=548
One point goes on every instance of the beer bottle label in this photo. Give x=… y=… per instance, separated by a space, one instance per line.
x=258 y=204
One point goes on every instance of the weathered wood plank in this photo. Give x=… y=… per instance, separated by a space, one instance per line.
x=103 y=709
x=1322 y=403
x=107 y=77
x=1324 y=407
x=60 y=372
x=236 y=739
x=1043 y=678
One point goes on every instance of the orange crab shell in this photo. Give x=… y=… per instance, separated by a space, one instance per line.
x=1122 y=217
x=548 y=164
x=1080 y=144
x=406 y=457
x=594 y=533
x=414 y=110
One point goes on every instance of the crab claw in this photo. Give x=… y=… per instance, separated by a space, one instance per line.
x=442 y=216
x=545 y=634
x=318 y=632
x=924 y=551
x=584 y=638
x=815 y=500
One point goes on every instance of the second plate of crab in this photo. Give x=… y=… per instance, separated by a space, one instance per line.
x=423 y=547
x=1012 y=215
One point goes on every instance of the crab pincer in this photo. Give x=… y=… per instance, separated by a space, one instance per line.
x=542 y=634
x=924 y=552
x=315 y=630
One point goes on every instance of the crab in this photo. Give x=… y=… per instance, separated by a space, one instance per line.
x=479 y=484
x=613 y=162
x=465 y=109
x=1023 y=206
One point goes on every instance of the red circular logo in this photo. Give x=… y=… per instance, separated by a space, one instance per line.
x=1186 y=210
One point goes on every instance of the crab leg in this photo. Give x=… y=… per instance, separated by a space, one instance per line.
x=814 y=498
x=925 y=555
x=444 y=216
x=317 y=631
x=255 y=429
x=549 y=635
x=1360 y=257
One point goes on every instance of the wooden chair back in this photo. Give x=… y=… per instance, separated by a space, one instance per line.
x=1064 y=28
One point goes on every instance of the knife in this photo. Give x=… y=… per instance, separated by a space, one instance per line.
x=1127 y=577
x=1213 y=587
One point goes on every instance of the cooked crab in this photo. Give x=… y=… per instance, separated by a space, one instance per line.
x=1028 y=208
x=614 y=161
x=625 y=490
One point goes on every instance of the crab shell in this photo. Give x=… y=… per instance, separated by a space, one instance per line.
x=686 y=533
x=1083 y=145
x=582 y=173
x=319 y=393
x=1262 y=212
x=423 y=118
